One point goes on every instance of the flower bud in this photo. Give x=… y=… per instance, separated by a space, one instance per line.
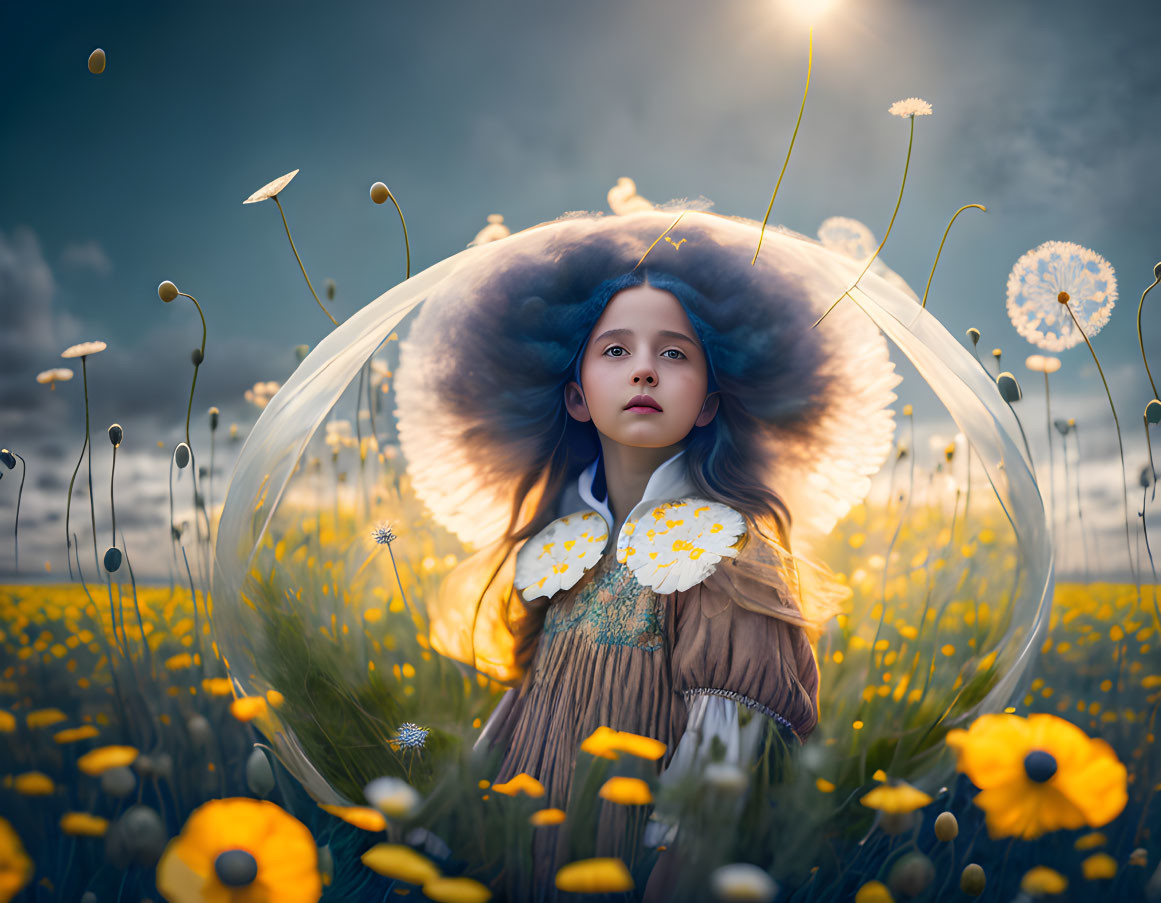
x=236 y=868
x=911 y=875
x=167 y=291
x=973 y=880
x=1153 y=411
x=974 y=335
x=301 y=351
x=112 y=560
x=97 y=61
x=7 y=458
x=118 y=782
x=1157 y=271
x=214 y=414
x=197 y=357
x=259 y=776
x=946 y=827
x=116 y=434
x=181 y=455
x=742 y=881
x=1009 y=388
x=379 y=193
x=331 y=288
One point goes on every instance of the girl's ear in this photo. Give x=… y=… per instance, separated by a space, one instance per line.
x=574 y=402
x=708 y=410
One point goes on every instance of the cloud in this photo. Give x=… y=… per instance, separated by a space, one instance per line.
x=87 y=255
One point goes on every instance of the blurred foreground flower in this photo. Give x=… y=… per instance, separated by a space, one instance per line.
x=393 y=797
x=363 y=817
x=98 y=761
x=896 y=797
x=54 y=376
x=742 y=881
x=494 y=231
x=608 y=744
x=240 y=849
x=1039 y=279
x=1039 y=774
x=1043 y=881
x=456 y=890
x=15 y=866
x=522 y=783
x=82 y=824
x=393 y=860
x=594 y=876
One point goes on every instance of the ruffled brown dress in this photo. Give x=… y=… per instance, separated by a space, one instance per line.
x=614 y=653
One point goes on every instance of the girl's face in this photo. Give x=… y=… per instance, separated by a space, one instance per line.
x=643 y=374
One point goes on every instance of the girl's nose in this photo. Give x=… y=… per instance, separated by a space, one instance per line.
x=645 y=375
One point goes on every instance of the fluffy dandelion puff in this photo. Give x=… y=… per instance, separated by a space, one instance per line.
x=84 y=349
x=912 y=106
x=270 y=189
x=848 y=237
x=1050 y=272
x=384 y=536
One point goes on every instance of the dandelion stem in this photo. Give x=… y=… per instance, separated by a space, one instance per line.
x=1051 y=453
x=906 y=166
x=406 y=243
x=20 y=492
x=202 y=355
x=1079 y=509
x=940 y=251
x=112 y=506
x=92 y=504
x=786 y=162
x=672 y=225
x=1140 y=335
x=299 y=259
x=1121 y=448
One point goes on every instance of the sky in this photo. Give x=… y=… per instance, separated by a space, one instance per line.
x=1046 y=113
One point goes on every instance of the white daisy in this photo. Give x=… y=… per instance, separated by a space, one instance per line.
x=84 y=349
x=912 y=106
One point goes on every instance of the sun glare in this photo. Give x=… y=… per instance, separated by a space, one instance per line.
x=810 y=11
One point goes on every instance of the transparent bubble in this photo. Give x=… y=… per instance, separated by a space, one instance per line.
x=949 y=562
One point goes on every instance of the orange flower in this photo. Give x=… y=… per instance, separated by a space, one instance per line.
x=626 y=791
x=608 y=744
x=15 y=866
x=247 y=708
x=82 y=824
x=543 y=817
x=33 y=783
x=98 y=761
x=594 y=876
x=1039 y=774
x=73 y=734
x=360 y=816
x=522 y=783
x=240 y=849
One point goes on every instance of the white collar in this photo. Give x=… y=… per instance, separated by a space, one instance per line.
x=669 y=481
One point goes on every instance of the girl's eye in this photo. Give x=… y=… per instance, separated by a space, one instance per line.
x=679 y=355
x=609 y=351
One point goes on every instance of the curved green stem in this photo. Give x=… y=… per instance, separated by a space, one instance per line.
x=661 y=236
x=300 y=266
x=112 y=506
x=406 y=243
x=1141 y=337
x=940 y=251
x=809 y=65
x=20 y=493
x=906 y=166
x=1120 y=446
x=92 y=504
x=189 y=407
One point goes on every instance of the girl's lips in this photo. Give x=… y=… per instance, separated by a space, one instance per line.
x=640 y=404
x=642 y=409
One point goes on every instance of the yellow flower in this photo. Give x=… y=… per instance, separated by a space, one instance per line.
x=98 y=761
x=33 y=783
x=247 y=708
x=7 y=722
x=626 y=791
x=897 y=798
x=1099 y=865
x=608 y=744
x=1039 y=774
x=179 y=661
x=218 y=686
x=274 y=698
x=543 y=817
x=45 y=718
x=82 y=824
x=522 y=783
x=1042 y=881
x=15 y=866
x=393 y=860
x=874 y=892
x=456 y=890
x=594 y=876
x=360 y=816
x=1090 y=841
x=73 y=734
x=240 y=850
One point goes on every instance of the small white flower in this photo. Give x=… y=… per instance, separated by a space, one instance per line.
x=393 y=797
x=1039 y=363
x=84 y=349
x=54 y=376
x=725 y=777
x=260 y=395
x=912 y=106
x=742 y=881
x=270 y=189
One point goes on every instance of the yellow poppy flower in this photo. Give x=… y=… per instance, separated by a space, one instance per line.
x=247 y=708
x=544 y=817
x=45 y=718
x=1039 y=774
x=1090 y=841
x=522 y=783
x=15 y=866
x=1099 y=865
x=393 y=860
x=98 y=761
x=73 y=734
x=360 y=816
x=594 y=876
x=7 y=722
x=897 y=798
x=873 y=892
x=626 y=791
x=1043 y=881
x=240 y=849
x=608 y=744
x=456 y=890
x=33 y=783
x=82 y=824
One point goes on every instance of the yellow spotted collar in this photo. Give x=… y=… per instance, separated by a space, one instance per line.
x=669 y=547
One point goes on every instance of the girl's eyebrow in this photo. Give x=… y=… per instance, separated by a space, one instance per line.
x=664 y=333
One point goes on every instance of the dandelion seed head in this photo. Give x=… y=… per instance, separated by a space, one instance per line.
x=84 y=349
x=270 y=189
x=911 y=106
x=384 y=536
x=1050 y=276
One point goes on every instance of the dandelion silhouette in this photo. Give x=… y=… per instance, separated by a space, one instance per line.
x=380 y=193
x=83 y=350
x=56 y=375
x=270 y=191
x=907 y=109
x=944 y=239
x=793 y=137
x=8 y=459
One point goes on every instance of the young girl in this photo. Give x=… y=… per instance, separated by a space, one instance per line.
x=641 y=420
